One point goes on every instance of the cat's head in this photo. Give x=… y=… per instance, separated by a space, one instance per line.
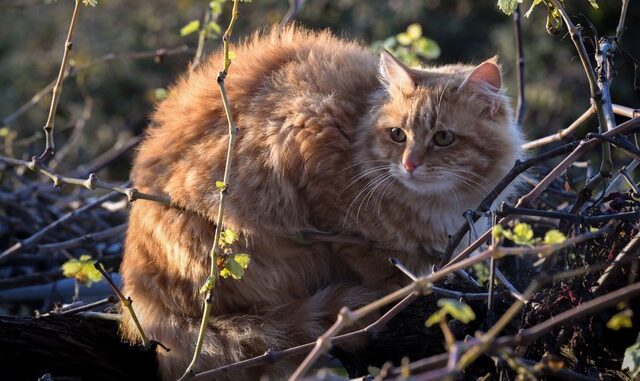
x=442 y=129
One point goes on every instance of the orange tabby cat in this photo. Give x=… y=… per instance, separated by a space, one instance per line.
x=332 y=139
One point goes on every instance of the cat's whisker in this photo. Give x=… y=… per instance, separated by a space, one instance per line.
x=361 y=162
x=367 y=197
x=364 y=174
x=394 y=179
x=470 y=183
x=363 y=190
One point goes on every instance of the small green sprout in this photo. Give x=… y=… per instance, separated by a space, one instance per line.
x=456 y=309
x=621 y=320
x=82 y=269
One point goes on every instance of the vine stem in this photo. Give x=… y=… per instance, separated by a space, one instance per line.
x=57 y=89
x=214 y=273
x=602 y=102
x=522 y=105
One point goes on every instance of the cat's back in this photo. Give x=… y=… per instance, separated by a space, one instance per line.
x=284 y=85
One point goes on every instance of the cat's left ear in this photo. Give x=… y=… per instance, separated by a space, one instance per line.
x=395 y=76
x=487 y=73
x=486 y=81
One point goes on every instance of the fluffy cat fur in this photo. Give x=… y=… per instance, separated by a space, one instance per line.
x=314 y=154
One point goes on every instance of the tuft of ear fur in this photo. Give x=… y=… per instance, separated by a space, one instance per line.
x=395 y=76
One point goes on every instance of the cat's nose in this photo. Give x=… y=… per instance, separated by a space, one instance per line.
x=410 y=165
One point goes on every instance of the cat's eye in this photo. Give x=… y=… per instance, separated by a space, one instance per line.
x=444 y=138
x=397 y=135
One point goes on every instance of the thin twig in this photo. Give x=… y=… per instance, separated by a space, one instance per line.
x=602 y=102
x=76 y=242
x=49 y=149
x=517 y=26
x=156 y=54
x=621 y=21
x=40 y=234
x=422 y=284
x=215 y=249
x=562 y=134
x=625 y=128
x=92 y=182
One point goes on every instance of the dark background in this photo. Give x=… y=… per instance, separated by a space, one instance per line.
x=123 y=91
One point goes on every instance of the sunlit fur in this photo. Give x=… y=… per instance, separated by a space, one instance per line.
x=313 y=155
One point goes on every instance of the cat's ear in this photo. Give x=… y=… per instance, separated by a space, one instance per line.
x=487 y=73
x=395 y=75
x=486 y=81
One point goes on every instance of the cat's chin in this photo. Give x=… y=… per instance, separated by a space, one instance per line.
x=423 y=187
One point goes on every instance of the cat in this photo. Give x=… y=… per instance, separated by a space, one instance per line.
x=332 y=139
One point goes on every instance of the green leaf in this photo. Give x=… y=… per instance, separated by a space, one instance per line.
x=82 y=269
x=497 y=232
x=553 y=237
x=191 y=27
x=235 y=266
x=533 y=5
x=404 y=39
x=242 y=259
x=508 y=6
x=228 y=237
x=426 y=47
x=457 y=310
x=631 y=360
x=160 y=93
x=414 y=31
x=621 y=320
x=214 y=29
x=208 y=285
x=436 y=318
x=522 y=234
x=216 y=6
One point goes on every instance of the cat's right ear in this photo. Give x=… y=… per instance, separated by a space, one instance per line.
x=395 y=76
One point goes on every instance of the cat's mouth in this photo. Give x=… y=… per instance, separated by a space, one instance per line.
x=438 y=180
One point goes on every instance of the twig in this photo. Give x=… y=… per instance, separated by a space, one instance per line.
x=125 y=301
x=202 y=36
x=518 y=168
x=272 y=356
x=625 y=128
x=39 y=235
x=57 y=89
x=623 y=16
x=422 y=284
x=91 y=183
x=294 y=8
x=157 y=54
x=76 y=242
x=517 y=24
x=594 y=89
x=83 y=308
x=631 y=249
x=562 y=134
x=507 y=210
x=215 y=249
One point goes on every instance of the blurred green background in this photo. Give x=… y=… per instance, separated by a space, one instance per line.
x=123 y=92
